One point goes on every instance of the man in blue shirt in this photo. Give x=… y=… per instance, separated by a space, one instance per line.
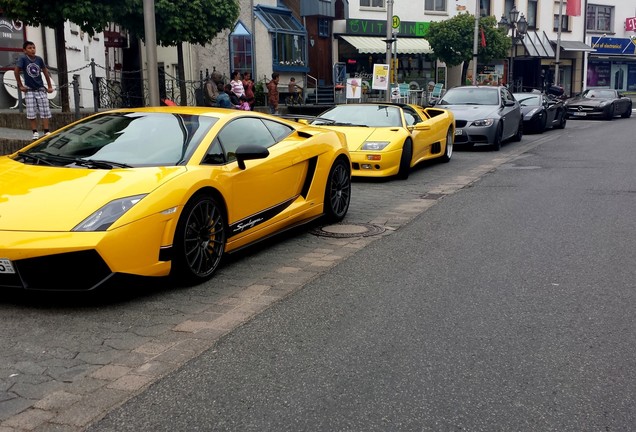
x=223 y=99
x=36 y=100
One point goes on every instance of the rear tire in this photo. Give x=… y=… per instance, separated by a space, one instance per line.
x=562 y=120
x=199 y=240
x=405 y=160
x=628 y=113
x=337 y=191
x=448 y=151
x=517 y=137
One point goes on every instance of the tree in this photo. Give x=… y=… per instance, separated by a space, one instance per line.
x=92 y=16
x=179 y=21
x=452 y=41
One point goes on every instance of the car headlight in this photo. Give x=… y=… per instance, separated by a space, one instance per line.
x=108 y=214
x=604 y=104
x=484 y=122
x=375 y=145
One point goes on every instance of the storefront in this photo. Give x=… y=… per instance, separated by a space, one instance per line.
x=613 y=65
x=363 y=44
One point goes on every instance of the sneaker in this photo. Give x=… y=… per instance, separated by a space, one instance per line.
x=36 y=135
x=47 y=134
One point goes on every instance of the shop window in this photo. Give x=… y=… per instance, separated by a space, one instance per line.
x=484 y=8
x=241 y=57
x=531 y=16
x=289 y=49
x=565 y=23
x=372 y=3
x=599 y=18
x=435 y=5
x=289 y=38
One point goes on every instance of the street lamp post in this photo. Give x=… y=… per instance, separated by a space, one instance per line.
x=518 y=25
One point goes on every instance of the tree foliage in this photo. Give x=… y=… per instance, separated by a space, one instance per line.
x=178 y=21
x=452 y=41
x=92 y=16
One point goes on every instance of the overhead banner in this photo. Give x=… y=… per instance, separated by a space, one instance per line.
x=380 y=77
x=573 y=8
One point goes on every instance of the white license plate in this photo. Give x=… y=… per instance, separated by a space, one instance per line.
x=458 y=131
x=579 y=114
x=6 y=266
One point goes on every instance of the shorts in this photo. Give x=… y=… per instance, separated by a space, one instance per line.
x=37 y=101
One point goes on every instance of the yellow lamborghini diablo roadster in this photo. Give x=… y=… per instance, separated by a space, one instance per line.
x=160 y=191
x=388 y=139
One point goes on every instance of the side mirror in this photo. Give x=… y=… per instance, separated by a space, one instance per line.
x=249 y=152
x=509 y=103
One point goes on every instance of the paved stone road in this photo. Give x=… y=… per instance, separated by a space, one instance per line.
x=67 y=359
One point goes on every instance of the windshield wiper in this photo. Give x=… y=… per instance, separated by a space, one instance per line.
x=34 y=158
x=347 y=124
x=97 y=163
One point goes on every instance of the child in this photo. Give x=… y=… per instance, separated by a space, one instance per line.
x=36 y=100
x=294 y=91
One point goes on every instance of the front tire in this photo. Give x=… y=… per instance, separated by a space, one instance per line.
x=405 y=160
x=199 y=240
x=448 y=151
x=610 y=112
x=337 y=191
x=496 y=145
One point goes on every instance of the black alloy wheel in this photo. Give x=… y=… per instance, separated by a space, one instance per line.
x=338 y=191
x=199 y=241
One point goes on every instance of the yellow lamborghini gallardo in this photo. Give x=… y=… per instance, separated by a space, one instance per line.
x=388 y=139
x=161 y=191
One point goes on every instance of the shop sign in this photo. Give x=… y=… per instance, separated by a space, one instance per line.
x=11 y=33
x=362 y=27
x=605 y=45
x=630 y=24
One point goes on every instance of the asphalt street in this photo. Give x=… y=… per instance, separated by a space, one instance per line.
x=506 y=305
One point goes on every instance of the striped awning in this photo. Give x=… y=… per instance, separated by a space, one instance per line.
x=377 y=45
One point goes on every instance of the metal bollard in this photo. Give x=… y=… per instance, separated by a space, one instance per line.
x=76 y=96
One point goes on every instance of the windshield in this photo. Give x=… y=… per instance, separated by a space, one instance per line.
x=123 y=139
x=603 y=94
x=361 y=115
x=471 y=96
x=528 y=99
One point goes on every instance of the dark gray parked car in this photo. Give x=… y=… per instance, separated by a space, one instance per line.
x=484 y=115
x=599 y=103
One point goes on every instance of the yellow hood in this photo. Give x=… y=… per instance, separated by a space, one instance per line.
x=357 y=136
x=42 y=198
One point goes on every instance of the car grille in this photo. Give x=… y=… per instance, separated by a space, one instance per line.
x=580 y=108
x=61 y=272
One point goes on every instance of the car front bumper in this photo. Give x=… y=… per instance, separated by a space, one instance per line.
x=474 y=135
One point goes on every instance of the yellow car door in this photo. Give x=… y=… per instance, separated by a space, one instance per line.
x=265 y=188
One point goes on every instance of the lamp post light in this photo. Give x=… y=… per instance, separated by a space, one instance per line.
x=518 y=25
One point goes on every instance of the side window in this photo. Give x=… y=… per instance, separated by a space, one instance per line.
x=247 y=130
x=411 y=117
x=506 y=95
x=214 y=155
x=278 y=130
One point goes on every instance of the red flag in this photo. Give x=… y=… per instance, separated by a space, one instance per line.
x=573 y=8
x=483 y=38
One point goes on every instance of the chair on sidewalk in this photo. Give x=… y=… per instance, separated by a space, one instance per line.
x=436 y=93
